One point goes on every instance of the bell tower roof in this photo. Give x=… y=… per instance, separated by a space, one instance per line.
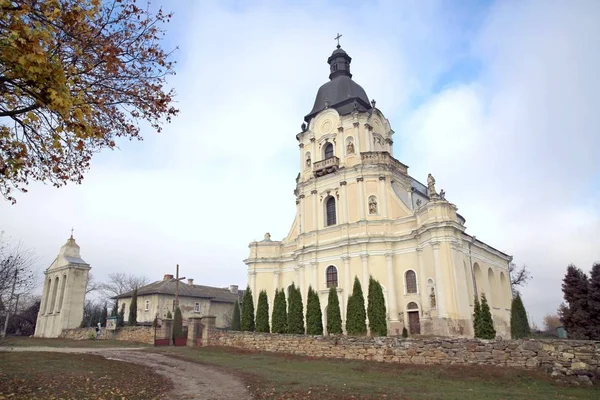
x=341 y=92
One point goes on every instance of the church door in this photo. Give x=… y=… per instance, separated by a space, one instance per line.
x=414 y=324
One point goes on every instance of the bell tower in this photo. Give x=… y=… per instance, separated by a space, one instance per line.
x=63 y=295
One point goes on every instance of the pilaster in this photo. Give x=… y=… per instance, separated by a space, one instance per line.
x=361 y=197
x=344 y=202
x=392 y=299
x=440 y=281
x=383 y=197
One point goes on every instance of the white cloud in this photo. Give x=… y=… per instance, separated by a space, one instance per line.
x=513 y=148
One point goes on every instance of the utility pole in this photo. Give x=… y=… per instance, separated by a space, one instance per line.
x=12 y=293
x=177 y=279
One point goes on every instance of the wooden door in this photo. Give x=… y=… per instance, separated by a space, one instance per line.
x=414 y=324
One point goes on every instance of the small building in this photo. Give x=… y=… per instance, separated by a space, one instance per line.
x=158 y=298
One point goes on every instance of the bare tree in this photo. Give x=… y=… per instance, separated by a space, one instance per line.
x=16 y=268
x=519 y=276
x=551 y=322
x=120 y=282
x=92 y=285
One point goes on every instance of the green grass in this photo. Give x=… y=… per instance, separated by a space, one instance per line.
x=285 y=375
x=30 y=342
x=41 y=375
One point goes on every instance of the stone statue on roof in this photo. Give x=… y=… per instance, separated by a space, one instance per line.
x=431 y=186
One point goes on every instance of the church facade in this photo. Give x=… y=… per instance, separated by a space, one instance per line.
x=359 y=213
x=63 y=294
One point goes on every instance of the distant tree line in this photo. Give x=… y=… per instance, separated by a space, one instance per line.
x=289 y=317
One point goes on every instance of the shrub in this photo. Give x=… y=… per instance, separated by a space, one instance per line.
x=247 y=322
x=121 y=320
x=356 y=317
x=376 y=309
x=314 y=317
x=295 y=311
x=236 y=323
x=178 y=324
x=487 y=330
x=519 y=325
x=279 y=318
x=262 y=312
x=404 y=332
x=133 y=309
x=334 y=316
x=169 y=315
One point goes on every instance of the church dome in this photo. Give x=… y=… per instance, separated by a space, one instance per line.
x=341 y=92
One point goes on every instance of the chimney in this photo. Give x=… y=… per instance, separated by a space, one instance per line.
x=190 y=281
x=233 y=289
x=168 y=277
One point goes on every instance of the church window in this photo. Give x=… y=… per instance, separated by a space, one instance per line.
x=411 y=281
x=197 y=307
x=147 y=305
x=412 y=306
x=330 y=210
x=332 y=277
x=328 y=150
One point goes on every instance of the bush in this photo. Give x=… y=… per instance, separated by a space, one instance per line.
x=279 y=318
x=133 y=309
x=314 y=317
x=236 y=323
x=247 y=322
x=262 y=312
x=295 y=311
x=519 y=325
x=487 y=330
x=178 y=324
x=169 y=315
x=404 y=333
x=334 y=316
x=91 y=335
x=356 y=318
x=155 y=322
x=121 y=320
x=376 y=309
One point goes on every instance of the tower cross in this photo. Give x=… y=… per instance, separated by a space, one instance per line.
x=72 y=233
x=338 y=40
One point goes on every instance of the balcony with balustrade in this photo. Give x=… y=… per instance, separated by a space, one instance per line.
x=326 y=166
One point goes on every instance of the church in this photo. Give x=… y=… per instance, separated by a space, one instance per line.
x=359 y=213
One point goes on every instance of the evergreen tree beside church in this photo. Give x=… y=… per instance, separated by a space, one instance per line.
x=519 y=325
x=133 y=309
x=376 y=309
x=295 y=311
x=279 y=318
x=314 y=317
x=334 y=316
x=581 y=313
x=356 y=318
x=247 y=320
x=262 y=312
x=236 y=323
x=486 y=327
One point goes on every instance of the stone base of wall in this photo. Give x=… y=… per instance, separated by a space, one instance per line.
x=138 y=334
x=557 y=357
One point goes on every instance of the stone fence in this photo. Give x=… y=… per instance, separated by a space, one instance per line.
x=557 y=357
x=140 y=334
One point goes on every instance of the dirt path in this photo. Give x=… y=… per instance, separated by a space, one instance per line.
x=191 y=381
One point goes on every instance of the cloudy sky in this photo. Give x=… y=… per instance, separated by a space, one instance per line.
x=498 y=100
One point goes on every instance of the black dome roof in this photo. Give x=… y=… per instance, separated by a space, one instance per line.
x=341 y=92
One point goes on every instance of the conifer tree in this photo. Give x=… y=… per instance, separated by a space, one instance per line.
x=133 y=309
x=404 y=332
x=169 y=315
x=115 y=309
x=104 y=314
x=279 y=318
x=334 y=316
x=314 y=316
x=356 y=318
x=236 y=323
x=487 y=323
x=519 y=325
x=575 y=315
x=295 y=311
x=247 y=322
x=594 y=302
x=477 y=318
x=177 y=324
x=262 y=312
x=376 y=309
x=121 y=320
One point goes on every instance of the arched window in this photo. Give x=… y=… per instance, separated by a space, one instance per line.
x=412 y=306
x=328 y=151
x=411 y=281
x=330 y=210
x=332 y=277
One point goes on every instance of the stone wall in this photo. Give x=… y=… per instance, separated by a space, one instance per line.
x=557 y=357
x=139 y=334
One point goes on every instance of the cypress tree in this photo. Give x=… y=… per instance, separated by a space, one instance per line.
x=594 y=302
x=169 y=315
x=376 y=309
x=262 y=312
x=295 y=311
x=279 y=318
x=477 y=318
x=133 y=309
x=177 y=324
x=334 y=316
x=487 y=323
x=404 y=332
x=121 y=320
x=115 y=309
x=104 y=315
x=247 y=322
x=519 y=326
x=236 y=323
x=356 y=318
x=314 y=317
x=575 y=315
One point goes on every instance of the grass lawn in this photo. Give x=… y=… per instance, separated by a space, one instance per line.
x=272 y=375
x=36 y=375
x=20 y=341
